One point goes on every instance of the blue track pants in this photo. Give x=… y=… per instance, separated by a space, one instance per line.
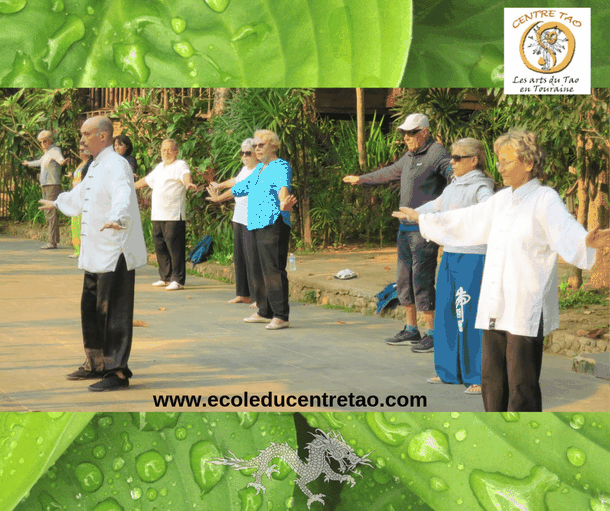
x=457 y=344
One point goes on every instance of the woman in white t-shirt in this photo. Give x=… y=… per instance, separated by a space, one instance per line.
x=240 y=221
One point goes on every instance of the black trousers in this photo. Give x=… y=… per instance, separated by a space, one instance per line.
x=510 y=371
x=240 y=259
x=170 y=246
x=107 y=319
x=268 y=253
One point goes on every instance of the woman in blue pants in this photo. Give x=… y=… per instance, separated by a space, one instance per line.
x=457 y=344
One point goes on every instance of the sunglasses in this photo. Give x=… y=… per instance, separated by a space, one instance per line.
x=458 y=157
x=259 y=146
x=245 y=153
x=412 y=133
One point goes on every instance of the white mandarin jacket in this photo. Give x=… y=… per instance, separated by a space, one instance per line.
x=107 y=193
x=524 y=231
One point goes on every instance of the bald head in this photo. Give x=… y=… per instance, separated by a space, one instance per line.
x=96 y=134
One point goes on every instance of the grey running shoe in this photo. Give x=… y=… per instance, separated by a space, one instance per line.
x=426 y=345
x=404 y=337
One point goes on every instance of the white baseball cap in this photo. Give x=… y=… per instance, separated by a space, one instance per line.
x=415 y=121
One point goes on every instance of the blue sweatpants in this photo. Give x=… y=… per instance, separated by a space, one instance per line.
x=457 y=343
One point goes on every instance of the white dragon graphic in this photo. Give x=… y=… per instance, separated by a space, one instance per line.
x=323 y=448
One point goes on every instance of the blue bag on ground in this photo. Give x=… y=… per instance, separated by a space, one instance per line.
x=387 y=295
x=203 y=250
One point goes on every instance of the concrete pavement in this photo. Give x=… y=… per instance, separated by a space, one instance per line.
x=194 y=343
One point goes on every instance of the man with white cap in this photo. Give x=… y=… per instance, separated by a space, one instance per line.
x=423 y=172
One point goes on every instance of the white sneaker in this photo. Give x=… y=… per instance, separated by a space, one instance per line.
x=159 y=283
x=173 y=286
x=277 y=324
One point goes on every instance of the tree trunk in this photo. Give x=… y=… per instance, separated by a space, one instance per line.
x=220 y=101
x=575 y=279
x=360 y=128
x=599 y=216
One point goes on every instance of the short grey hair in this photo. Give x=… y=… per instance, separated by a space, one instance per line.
x=247 y=143
x=45 y=135
x=474 y=147
x=174 y=143
x=527 y=147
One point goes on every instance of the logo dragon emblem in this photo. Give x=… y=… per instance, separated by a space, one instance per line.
x=322 y=449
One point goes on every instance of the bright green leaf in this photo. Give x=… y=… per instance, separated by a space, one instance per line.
x=461 y=43
x=190 y=43
x=29 y=444
x=159 y=461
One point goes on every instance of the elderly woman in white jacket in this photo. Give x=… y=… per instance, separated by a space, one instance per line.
x=525 y=226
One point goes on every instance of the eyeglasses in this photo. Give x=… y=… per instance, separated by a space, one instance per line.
x=459 y=157
x=259 y=146
x=504 y=163
x=245 y=153
x=412 y=133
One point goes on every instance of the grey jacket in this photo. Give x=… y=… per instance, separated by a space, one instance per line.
x=463 y=191
x=423 y=175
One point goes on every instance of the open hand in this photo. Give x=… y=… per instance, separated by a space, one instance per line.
x=406 y=214
x=288 y=203
x=46 y=204
x=352 y=180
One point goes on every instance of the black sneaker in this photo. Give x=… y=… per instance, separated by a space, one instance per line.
x=404 y=337
x=110 y=382
x=84 y=374
x=426 y=345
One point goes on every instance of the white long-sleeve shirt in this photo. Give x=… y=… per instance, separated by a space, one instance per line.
x=50 y=166
x=524 y=230
x=107 y=193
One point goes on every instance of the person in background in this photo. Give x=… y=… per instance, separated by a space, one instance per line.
x=240 y=222
x=526 y=227
x=423 y=172
x=123 y=146
x=77 y=176
x=169 y=181
x=269 y=203
x=457 y=343
x=50 y=169
x=112 y=247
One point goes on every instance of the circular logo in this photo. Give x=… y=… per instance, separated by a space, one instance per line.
x=547 y=47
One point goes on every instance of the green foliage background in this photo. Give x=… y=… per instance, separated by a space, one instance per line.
x=320 y=150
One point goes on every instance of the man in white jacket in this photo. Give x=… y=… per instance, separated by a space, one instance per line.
x=112 y=247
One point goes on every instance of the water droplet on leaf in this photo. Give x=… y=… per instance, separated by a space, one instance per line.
x=206 y=474
x=11 y=6
x=498 y=492
x=430 y=445
x=150 y=466
x=576 y=457
x=89 y=477
x=391 y=434
x=217 y=5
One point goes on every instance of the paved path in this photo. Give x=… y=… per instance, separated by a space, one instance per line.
x=195 y=343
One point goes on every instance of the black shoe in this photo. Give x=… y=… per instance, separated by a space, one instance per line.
x=110 y=382
x=404 y=337
x=426 y=345
x=84 y=374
